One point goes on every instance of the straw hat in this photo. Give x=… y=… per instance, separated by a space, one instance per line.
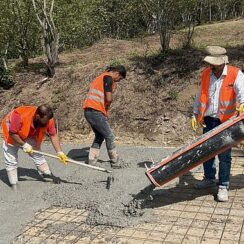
x=216 y=55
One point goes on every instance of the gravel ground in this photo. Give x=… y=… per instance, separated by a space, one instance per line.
x=80 y=188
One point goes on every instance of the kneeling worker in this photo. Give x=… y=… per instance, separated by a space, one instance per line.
x=25 y=127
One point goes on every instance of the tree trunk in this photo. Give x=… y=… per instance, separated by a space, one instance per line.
x=50 y=35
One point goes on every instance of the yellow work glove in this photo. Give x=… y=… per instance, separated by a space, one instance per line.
x=63 y=158
x=240 y=109
x=195 y=123
x=27 y=148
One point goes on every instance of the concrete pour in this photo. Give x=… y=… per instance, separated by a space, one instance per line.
x=80 y=188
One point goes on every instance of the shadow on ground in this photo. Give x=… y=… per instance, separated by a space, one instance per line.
x=79 y=153
x=183 y=191
x=25 y=174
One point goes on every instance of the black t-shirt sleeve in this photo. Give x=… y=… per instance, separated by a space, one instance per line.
x=107 y=83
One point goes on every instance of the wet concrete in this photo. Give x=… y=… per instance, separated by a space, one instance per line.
x=116 y=205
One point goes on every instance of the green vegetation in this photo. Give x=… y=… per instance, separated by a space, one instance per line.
x=173 y=94
x=6 y=77
x=32 y=27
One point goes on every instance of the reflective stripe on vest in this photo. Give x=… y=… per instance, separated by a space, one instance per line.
x=96 y=97
x=227 y=111
x=227 y=97
x=228 y=103
x=101 y=100
x=92 y=90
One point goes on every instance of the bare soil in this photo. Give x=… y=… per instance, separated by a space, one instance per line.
x=152 y=106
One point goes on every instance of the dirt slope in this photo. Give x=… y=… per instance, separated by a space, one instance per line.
x=153 y=105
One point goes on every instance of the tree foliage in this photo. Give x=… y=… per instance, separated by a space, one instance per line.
x=75 y=24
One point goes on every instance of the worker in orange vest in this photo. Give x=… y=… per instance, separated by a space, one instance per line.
x=220 y=96
x=25 y=127
x=96 y=106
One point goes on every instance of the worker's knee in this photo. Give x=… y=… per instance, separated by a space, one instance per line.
x=110 y=138
x=10 y=156
x=44 y=169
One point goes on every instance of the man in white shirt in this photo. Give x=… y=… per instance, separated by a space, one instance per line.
x=220 y=94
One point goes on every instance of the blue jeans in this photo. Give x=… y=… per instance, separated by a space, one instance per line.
x=100 y=126
x=224 y=158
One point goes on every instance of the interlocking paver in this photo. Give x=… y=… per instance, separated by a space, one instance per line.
x=190 y=208
x=191 y=239
x=219 y=218
x=233 y=228
x=118 y=240
x=204 y=209
x=213 y=233
x=223 y=211
x=45 y=223
x=179 y=229
x=141 y=234
x=79 y=219
x=190 y=215
x=216 y=225
x=68 y=217
x=227 y=242
x=126 y=232
x=163 y=227
x=157 y=235
x=184 y=222
x=196 y=231
x=196 y=218
x=231 y=236
x=178 y=207
x=210 y=241
x=135 y=241
x=64 y=210
x=203 y=216
x=55 y=216
x=199 y=223
x=152 y=242
x=175 y=238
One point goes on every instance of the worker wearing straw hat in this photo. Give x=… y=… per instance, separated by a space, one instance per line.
x=220 y=97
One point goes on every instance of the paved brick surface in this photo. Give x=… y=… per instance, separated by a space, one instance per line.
x=187 y=216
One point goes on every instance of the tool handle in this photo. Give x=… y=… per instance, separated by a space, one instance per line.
x=73 y=161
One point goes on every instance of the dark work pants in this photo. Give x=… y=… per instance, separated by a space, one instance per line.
x=101 y=128
x=224 y=158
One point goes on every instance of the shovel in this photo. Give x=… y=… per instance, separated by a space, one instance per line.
x=73 y=161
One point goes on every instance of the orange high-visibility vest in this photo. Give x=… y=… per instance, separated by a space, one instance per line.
x=96 y=95
x=26 y=114
x=227 y=96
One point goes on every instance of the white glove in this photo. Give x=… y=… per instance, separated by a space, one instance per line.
x=27 y=148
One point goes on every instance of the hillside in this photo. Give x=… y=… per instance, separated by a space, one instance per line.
x=152 y=106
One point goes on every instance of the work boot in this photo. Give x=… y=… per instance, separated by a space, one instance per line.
x=205 y=183
x=114 y=159
x=12 y=176
x=13 y=179
x=93 y=156
x=222 y=195
x=44 y=172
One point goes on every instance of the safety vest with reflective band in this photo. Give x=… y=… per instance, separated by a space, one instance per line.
x=26 y=114
x=96 y=95
x=227 y=97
